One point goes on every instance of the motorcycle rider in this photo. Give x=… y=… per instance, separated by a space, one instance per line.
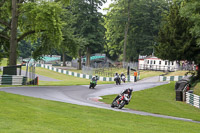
x=127 y=92
x=122 y=74
x=95 y=78
x=117 y=77
x=93 y=81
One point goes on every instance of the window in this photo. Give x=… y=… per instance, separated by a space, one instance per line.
x=165 y=62
x=154 y=62
x=172 y=63
x=147 y=61
x=151 y=61
x=159 y=62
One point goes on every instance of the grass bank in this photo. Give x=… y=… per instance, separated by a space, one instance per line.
x=146 y=74
x=25 y=114
x=4 y=62
x=160 y=100
x=64 y=79
x=177 y=73
x=197 y=89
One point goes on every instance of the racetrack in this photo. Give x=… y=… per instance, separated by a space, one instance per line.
x=82 y=95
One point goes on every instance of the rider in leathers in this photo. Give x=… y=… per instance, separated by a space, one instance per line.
x=126 y=91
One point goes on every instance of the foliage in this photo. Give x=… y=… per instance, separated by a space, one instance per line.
x=89 y=24
x=177 y=39
x=145 y=17
x=191 y=11
x=35 y=19
x=44 y=20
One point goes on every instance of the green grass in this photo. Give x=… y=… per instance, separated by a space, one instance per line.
x=65 y=79
x=197 y=89
x=4 y=62
x=146 y=74
x=177 y=73
x=160 y=100
x=20 y=114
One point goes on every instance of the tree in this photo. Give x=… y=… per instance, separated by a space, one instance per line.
x=69 y=45
x=175 y=39
x=126 y=30
x=30 y=19
x=89 y=25
x=144 y=20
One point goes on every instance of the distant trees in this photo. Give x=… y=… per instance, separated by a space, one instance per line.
x=140 y=19
x=89 y=26
x=179 y=37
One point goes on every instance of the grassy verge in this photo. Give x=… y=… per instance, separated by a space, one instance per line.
x=146 y=74
x=4 y=62
x=160 y=100
x=105 y=72
x=197 y=89
x=64 y=79
x=25 y=114
x=177 y=73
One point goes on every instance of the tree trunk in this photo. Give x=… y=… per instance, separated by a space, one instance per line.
x=13 y=38
x=126 y=33
x=79 y=60
x=88 y=57
x=64 y=60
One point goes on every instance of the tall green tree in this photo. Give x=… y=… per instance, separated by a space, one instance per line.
x=69 y=45
x=177 y=40
x=30 y=19
x=144 y=21
x=89 y=25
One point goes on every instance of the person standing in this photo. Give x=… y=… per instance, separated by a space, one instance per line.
x=135 y=76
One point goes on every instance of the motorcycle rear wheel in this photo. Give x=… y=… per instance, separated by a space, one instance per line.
x=121 y=105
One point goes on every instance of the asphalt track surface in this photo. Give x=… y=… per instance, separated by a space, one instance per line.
x=82 y=95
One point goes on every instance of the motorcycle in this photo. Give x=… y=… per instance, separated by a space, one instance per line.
x=117 y=80
x=120 y=101
x=123 y=79
x=93 y=83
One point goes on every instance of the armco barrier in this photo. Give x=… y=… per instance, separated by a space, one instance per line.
x=130 y=78
x=170 y=78
x=12 y=80
x=193 y=99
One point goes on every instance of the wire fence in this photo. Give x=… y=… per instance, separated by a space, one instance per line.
x=165 y=68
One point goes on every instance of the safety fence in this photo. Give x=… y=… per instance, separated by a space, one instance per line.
x=80 y=75
x=193 y=99
x=12 y=80
x=171 y=78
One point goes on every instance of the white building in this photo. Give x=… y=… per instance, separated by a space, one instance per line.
x=154 y=63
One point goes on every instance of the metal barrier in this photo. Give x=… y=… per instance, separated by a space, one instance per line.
x=80 y=75
x=12 y=80
x=193 y=99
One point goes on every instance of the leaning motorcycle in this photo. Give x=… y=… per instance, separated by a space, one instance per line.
x=120 y=101
x=93 y=83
